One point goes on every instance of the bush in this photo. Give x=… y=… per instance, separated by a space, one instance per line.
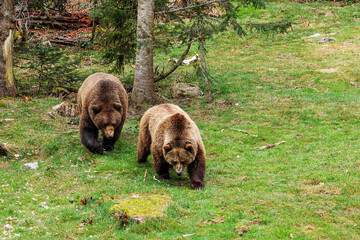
x=44 y=68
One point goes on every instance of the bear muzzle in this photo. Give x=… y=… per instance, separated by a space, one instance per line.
x=179 y=169
x=109 y=132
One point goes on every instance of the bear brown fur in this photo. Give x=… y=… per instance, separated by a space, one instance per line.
x=174 y=140
x=103 y=105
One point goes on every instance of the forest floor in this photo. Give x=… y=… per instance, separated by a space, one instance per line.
x=284 y=89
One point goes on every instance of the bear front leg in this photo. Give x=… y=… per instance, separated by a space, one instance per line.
x=196 y=171
x=108 y=144
x=89 y=138
x=161 y=167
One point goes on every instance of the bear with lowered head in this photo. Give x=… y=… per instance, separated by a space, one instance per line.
x=103 y=105
x=174 y=140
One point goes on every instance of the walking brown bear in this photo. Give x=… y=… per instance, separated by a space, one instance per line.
x=168 y=133
x=103 y=105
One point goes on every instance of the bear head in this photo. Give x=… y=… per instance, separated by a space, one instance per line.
x=106 y=118
x=179 y=155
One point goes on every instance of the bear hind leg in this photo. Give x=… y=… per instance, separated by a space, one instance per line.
x=144 y=146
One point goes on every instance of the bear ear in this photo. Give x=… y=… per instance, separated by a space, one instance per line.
x=189 y=147
x=117 y=106
x=96 y=109
x=167 y=147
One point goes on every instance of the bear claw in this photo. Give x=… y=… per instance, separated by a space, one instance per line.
x=197 y=185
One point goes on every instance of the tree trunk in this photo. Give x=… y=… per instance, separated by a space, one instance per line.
x=7 y=30
x=208 y=90
x=143 y=90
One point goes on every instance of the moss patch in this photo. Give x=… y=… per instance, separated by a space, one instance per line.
x=2 y=104
x=140 y=206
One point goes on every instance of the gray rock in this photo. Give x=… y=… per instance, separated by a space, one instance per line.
x=185 y=90
x=31 y=166
x=326 y=40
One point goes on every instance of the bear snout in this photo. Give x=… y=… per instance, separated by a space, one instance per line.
x=109 y=132
x=179 y=173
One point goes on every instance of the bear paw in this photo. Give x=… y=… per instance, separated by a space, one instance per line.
x=197 y=185
x=108 y=148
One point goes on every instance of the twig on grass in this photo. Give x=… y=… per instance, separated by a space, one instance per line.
x=188 y=235
x=159 y=181
x=306 y=87
x=64 y=132
x=145 y=176
x=239 y=130
x=269 y=146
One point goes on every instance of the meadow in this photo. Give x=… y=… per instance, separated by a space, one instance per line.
x=267 y=89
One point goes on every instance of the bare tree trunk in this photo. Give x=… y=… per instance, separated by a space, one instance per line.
x=143 y=90
x=7 y=30
x=208 y=90
x=93 y=31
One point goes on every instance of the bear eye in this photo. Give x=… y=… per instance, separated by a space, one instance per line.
x=189 y=147
x=117 y=106
x=167 y=147
x=96 y=109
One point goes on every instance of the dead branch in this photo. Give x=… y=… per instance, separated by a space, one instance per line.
x=62 y=41
x=239 y=130
x=154 y=177
x=306 y=87
x=65 y=132
x=269 y=146
x=7 y=119
x=145 y=176
x=64 y=21
x=183 y=56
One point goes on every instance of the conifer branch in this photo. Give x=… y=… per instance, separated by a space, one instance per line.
x=189 y=7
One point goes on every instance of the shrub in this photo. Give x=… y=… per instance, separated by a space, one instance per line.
x=44 y=68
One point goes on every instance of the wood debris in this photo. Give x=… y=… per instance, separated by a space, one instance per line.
x=269 y=146
x=145 y=176
x=239 y=130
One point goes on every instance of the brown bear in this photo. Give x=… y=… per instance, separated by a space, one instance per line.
x=103 y=105
x=174 y=140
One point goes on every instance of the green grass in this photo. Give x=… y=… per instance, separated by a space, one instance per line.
x=278 y=88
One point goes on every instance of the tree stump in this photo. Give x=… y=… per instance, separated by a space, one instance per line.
x=3 y=150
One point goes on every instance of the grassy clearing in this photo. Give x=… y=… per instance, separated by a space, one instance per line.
x=278 y=88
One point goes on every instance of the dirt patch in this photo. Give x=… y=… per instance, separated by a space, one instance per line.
x=321 y=189
x=329 y=70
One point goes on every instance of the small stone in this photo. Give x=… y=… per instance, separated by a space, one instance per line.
x=31 y=166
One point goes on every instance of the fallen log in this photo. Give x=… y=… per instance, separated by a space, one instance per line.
x=61 y=21
x=62 y=41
